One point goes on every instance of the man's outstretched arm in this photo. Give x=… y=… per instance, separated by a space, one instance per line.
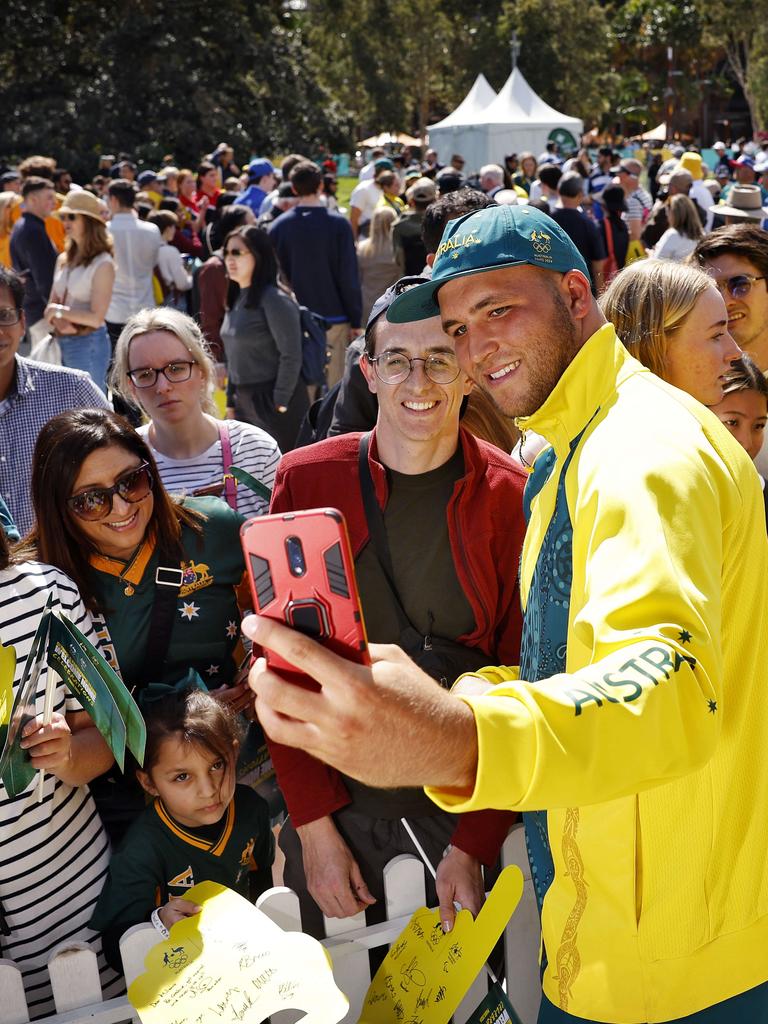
x=387 y=725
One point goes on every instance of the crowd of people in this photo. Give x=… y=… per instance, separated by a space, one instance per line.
x=542 y=415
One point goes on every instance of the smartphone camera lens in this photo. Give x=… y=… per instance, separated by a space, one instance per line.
x=295 y=552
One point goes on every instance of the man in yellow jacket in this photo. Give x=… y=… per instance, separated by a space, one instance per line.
x=637 y=724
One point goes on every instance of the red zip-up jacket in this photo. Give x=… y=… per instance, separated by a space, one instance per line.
x=485 y=527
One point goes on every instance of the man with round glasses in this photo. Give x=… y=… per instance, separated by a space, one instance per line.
x=736 y=257
x=30 y=394
x=450 y=510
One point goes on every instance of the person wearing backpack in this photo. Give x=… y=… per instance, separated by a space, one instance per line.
x=316 y=253
x=262 y=339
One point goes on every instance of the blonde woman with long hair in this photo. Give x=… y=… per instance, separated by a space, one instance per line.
x=376 y=258
x=9 y=203
x=673 y=319
x=684 y=231
x=82 y=287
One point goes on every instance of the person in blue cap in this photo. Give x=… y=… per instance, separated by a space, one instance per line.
x=261 y=181
x=633 y=732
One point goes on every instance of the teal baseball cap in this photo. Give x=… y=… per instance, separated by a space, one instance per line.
x=489 y=239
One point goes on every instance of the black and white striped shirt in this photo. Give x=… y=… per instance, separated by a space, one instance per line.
x=53 y=854
x=253 y=450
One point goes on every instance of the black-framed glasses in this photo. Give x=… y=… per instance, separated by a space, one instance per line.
x=96 y=504
x=176 y=372
x=395 y=367
x=9 y=316
x=737 y=286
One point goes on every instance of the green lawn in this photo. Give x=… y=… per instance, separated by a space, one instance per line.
x=345 y=190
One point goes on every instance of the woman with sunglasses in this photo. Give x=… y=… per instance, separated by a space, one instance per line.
x=54 y=853
x=162 y=364
x=262 y=339
x=82 y=287
x=160 y=577
x=672 y=318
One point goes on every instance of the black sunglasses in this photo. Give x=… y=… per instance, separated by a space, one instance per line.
x=69 y=216
x=96 y=504
x=235 y=252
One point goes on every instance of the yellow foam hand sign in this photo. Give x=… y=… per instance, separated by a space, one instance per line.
x=7 y=672
x=230 y=963
x=427 y=972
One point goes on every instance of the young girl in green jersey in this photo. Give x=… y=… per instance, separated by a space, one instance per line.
x=200 y=825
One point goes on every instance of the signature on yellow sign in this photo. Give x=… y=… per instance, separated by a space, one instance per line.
x=229 y=964
x=427 y=972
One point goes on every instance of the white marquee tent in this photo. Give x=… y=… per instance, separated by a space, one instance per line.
x=514 y=120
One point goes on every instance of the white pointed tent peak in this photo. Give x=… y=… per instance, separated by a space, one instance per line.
x=477 y=99
x=516 y=101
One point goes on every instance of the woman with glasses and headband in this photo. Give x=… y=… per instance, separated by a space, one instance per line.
x=162 y=364
x=673 y=319
x=160 y=577
x=82 y=287
x=54 y=853
x=262 y=339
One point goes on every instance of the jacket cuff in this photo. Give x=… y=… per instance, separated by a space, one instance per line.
x=503 y=723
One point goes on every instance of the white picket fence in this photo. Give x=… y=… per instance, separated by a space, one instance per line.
x=75 y=978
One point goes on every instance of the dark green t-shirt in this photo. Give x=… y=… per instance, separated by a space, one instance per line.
x=417 y=530
x=416 y=522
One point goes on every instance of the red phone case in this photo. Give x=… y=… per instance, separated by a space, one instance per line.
x=302 y=573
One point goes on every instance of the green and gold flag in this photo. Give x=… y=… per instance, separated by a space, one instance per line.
x=16 y=769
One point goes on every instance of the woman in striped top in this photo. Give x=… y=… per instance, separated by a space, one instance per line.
x=162 y=363
x=53 y=853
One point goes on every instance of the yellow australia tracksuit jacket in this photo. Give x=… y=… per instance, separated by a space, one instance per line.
x=647 y=743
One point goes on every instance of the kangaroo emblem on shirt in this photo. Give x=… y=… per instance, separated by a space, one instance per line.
x=194 y=577
x=184 y=880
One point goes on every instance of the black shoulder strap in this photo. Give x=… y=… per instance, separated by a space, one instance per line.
x=377 y=529
x=168 y=580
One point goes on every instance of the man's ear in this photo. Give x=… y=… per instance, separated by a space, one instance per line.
x=367 y=370
x=145 y=781
x=577 y=293
x=431 y=258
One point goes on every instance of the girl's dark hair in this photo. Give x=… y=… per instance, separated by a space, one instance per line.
x=62 y=446
x=745 y=375
x=231 y=217
x=198 y=718
x=259 y=244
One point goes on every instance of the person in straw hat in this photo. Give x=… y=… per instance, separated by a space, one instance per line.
x=744 y=203
x=82 y=287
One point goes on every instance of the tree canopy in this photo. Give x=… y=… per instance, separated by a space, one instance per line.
x=78 y=77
